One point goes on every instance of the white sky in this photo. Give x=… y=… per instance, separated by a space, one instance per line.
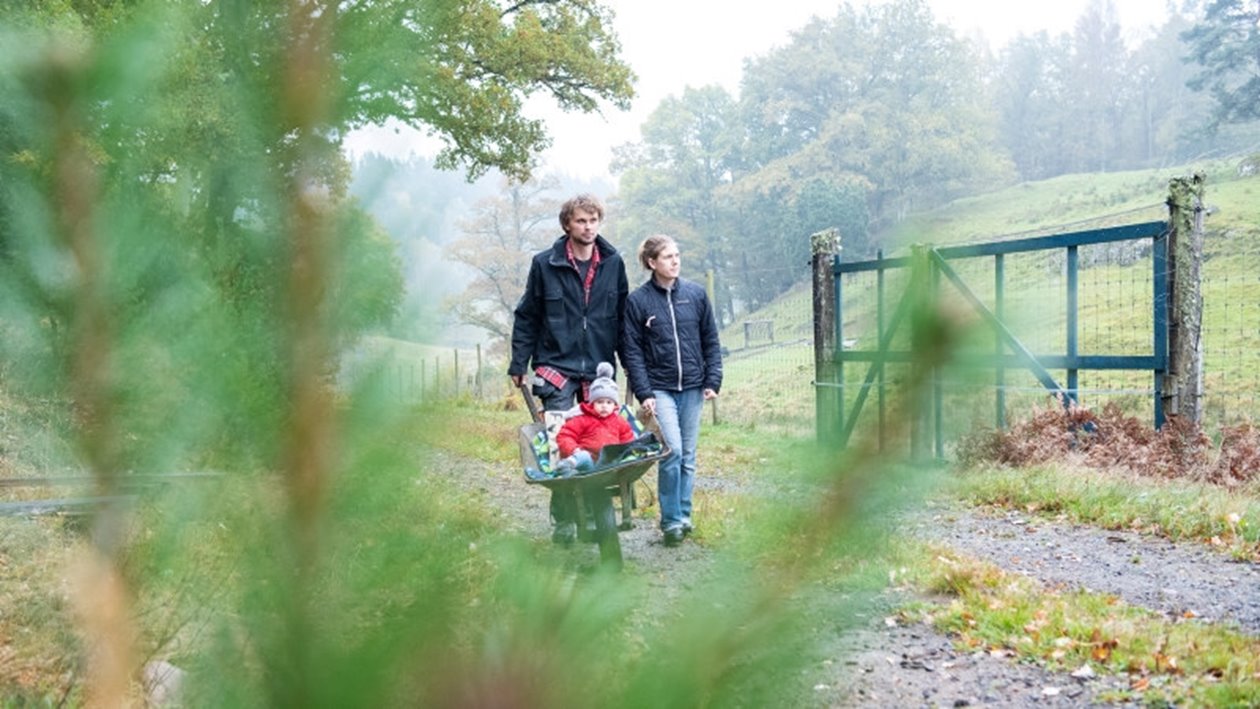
x=672 y=44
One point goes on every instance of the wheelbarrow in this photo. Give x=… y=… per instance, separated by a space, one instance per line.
x=593 y=490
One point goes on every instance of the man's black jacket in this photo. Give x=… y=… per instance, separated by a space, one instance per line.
x=554 y=325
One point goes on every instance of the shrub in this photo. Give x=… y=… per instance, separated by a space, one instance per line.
x=1117 y=440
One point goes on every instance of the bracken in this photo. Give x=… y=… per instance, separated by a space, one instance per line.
x=1113 y=439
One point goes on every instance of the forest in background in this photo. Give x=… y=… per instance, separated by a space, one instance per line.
x=860 y=122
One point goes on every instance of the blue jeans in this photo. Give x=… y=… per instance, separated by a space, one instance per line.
x=678 y=413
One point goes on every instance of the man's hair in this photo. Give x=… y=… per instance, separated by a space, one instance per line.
x=652 y=247
x=584 y=202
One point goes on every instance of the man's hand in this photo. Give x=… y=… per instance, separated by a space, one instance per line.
x=517 y=379
x=649 y=405
x=710 y=394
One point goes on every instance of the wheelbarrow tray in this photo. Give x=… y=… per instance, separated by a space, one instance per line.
x=617 y=478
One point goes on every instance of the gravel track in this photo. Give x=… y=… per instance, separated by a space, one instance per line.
x=885 y=664
x=915 y=666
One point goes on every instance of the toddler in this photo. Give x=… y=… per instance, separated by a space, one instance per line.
x=599 y=424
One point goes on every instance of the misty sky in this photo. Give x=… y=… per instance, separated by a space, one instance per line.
x=672 y=44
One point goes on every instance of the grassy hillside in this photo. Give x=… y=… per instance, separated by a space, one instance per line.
x=1083 y=201
x=1114 y=298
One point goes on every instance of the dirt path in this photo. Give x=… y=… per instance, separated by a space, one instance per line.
x=885 y=664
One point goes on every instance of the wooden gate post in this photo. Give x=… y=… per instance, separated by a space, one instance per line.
x=824 y=246
x=1183 y=380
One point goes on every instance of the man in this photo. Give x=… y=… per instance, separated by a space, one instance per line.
x=568 y=321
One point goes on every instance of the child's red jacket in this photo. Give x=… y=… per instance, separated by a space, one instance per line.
x=591 y=433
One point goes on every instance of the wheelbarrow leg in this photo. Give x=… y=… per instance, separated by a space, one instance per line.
x=606 y=530
x=583 y=516
x=627 y=504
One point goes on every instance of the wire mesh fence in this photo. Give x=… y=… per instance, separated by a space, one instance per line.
x=768 y=365
x=415 y=375
x=1231 y=341
x=1111 y=313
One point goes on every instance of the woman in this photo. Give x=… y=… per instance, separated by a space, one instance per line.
x=673 y=362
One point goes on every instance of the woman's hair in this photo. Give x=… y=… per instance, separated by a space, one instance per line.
x=652 y=247
x=584 y=202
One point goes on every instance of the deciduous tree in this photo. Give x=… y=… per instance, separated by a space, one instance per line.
x=500 y=236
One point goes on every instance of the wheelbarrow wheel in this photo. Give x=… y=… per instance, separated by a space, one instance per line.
x=606 y=532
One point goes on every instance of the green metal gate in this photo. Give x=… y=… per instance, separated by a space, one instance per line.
x=940 y=267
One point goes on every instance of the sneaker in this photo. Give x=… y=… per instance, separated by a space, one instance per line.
x=564 y=533
x=673 y=536
x=687 y=527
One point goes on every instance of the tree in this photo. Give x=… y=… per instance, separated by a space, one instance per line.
x=500 y=237
x=886 y=96
x=1097 y=64
x=673 y=181
x=1028 y=91
x=1167 y=116
x=214 y=132
x=1225 y=43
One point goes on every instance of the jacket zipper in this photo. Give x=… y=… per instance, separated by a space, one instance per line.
x=673 y=318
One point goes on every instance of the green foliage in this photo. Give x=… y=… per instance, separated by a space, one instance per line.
x=913 y=126
x=1225 y=43
x=675 y=180
x=461 y=72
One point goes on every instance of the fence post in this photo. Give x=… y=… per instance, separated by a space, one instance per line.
x=456 y=359
x=824 y=246
x=709 y=289
x=1183 y=382
x=480 y=394
x=437 y=378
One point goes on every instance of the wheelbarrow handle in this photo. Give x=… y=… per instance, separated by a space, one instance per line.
x=530 y=402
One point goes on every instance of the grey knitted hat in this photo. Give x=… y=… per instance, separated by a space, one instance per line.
x=603 y=387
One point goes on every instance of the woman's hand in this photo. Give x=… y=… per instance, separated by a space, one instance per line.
x=710 y=394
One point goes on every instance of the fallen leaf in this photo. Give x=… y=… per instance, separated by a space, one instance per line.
x=1084 y=672
x=1166 y=663
x=1141 y=684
